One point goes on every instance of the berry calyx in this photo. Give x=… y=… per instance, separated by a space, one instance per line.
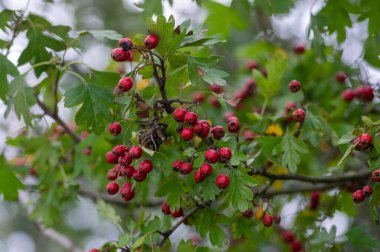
x=191 y=118
x=294 y=86
x=222 y=181
x=376 y=175
x=120 y=55
x=111 y=158
x=198 y=176
x=367 y=191
x=299 y=115
x=179 y=114
x=218 y=132
x=112 y=188
x=340 y=77
x=119 y=150
x=211 y=156
x=176 y=165
x=205 y=170
x=348 y=95
x=114 y=128
x=185 y=168
x=233 y=126
x=151 y=41
x=165 y=208
x=138 y=176
x=125 y=43
x=187 y=134
x=145 y=166
x=225 y=154
x=358 y=196
x=135 y=152
x=267 y=220
x=125 y=84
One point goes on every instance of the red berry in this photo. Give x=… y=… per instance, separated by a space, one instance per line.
x=267 y=220
x=222 y=181
x=112 y=174
x=358 y=196
x=125 y=43
x=87 y=151
x=125 y=160
x=225 y=154
x=277 y=219
x=213 y=101
x=177 y=213
x=233 y=126
x=216 y=88
x=288 y=236
x=114 y=128
x=376 y=175
x=186 y=134
x=294 y=86
x=227 y=115
x=127 y=171
x=205 y=170
x=314 y=200
x=198 y=128
x=191 y=118
x=296 y=246
x=299 y=48
x=198 y=176
x=251 y=64
x=198 y=97
x=218 y=132
x=126 y=191
x=135 y=152
x=185 y=168
x=211 y=156
x=315 y=195
x=176 y=165
x=248 y=213
x=94 y=250
x=364 y=93
x=348 y=95
x=151 y=41
x=205 y=131
x=290 y=106
x=138 y=176
x=111 y=158
x=119 y=150
x=125 y=84
x=145 y=166
x=119 y=55
x=363 y=142
x=299 y=115
x=249 y=136
x=340 y=77
x=165 y=208
x=367 y=191
x=179 y=114
x=112 y=187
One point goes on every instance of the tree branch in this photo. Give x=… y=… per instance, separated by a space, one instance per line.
x=302 y=188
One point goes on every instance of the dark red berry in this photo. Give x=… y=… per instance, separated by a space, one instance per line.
x=165 y=208
x=87 y=151
x=288 y=236
x=218 y=132
x=296 y=246
x=145 y=166
x=125 y=160
x=228 y=114
x=125 y=84
x=127 y=192
x=364 y=93
x=119 y=150
x=213 y=101
x=358 y=196
x=135 y=152
x=151 y=41
x=299 y=115
x=299 y=48
x=185 y=168
x=314 y=200
x=267 y=220
x=125 y=43
x=177 y=213
x=340 y=77
x=198 y=128
x=222 y=181
x=211 y=156
x=367 y=191
x=251 y=64
x=94 y=250
x=176 y=165
x=198 y=176
x=216 y=88
x=294 y=86
x=233 y=126
x=187 y=134
x=277 y=219
x=205 y=131
x=111 y=158
x=376 y=175
x=138 y=176
x=363 y=142
x=112 y=174
x=205 y=170
x=119 y=55
x=114 y=128
x=191 y=118
x=248 y=213
x=225 y=154
x=179 y=114
x=348 y=95
x=112 y=187
x=198 y=97
x=127 y=171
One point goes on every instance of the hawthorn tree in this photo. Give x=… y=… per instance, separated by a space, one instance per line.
x=175 y=134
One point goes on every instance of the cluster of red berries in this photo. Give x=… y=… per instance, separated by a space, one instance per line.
x=360 y=195
x=363 y=93
x=289 y=238
x=363 y=142
x=268 y=220
x=123 y=157
x=294 y=113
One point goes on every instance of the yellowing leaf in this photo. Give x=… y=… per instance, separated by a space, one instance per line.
x=259 y=213
x=274 y=129
x=142 y=84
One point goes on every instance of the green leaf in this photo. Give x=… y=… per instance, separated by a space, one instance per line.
x=275 y=6
x=240 y=189
x=372 y=50
x=101 y=35
x=374 y=203
x=346 y=154
x=200 y=68
x=322 y=236
x=217 y=236
x=361 y=238
x=6 y=17
x=150 y=7
x=345 y=139
x=172 y=187
x=292 y=149
x=10 y=184
x=7 y=68
x=108 y=212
